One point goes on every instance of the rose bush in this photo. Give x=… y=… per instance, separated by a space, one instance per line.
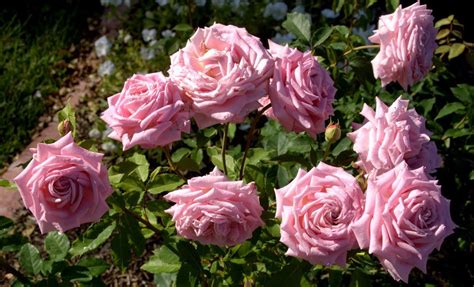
x=215 y=210
x=404 y=220
x=223 y=71
x=317 y=209
x=301 y=92
x=407 y=43
x=148 y=112
x=391 y=135
x=64 y=185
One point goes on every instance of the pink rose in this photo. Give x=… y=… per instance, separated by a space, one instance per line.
x=316 y=209
x=149 y=112
x=64 y=185
x=407 y=43
x=301 y=91
x=214 y=210
x=405 y=219
x=391 y=135
x=224 y=71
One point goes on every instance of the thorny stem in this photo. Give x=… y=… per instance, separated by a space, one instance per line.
x=140 y=219
x=10 y=269
x=166 y=150
x=250 y=138
x=361 y=48
x=224 y=147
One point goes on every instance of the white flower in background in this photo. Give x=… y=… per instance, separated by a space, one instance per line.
x=298 y=9
x=111 y=2
x=109 y=147
x=106 y=68
x=106 y=133
x=276 y=10
x=95 y=134
x=147 y=53
x=149 y=14
x=218 y=3
x=283 y=38
x=168 y=34
x=102 y=46
x=328 y=13
x=152 y=43
x=149 y=35
x=38 y=94
x=237 y=5
x=127 y=3
x=200 y=3
x=364 y=33
x=127 y=38
x=162 y=2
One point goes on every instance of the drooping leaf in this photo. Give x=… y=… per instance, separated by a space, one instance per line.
x=449 y=109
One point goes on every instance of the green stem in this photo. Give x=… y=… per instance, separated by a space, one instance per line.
x=361 y=48
x=167 y=152
x=250 y=138
x=140 y=219
x=224 y=147
x=10 y=269
x=326 y=152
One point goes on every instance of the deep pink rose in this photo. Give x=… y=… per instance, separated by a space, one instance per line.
x=391 y=135
x=316 y=209
x=149 y=112
x=405 y=219
x=301 y=91
x=64 y=185
x=407 y=43
x=215 y=210
x=224 y=71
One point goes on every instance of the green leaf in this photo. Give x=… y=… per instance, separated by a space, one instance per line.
x=442 y=22
x=96 y=266
x=57 y=245
x=443 y=33
x=289 y=276
x=76 y=274
x=165 y=182
x=135 y=235
x=182 y=27
x=321 y=35
x=300 y=25
x=142 y=165
x=67 y=113
x=7 y=183
x=163 y=261
x=343 y=145
x=442 y=49
x=456 y=133
x=464 y=93
x=449 y=109
x=5 y=222
x=360 y=279
x=81 y=246
x=456 y=50
x=30 y=259
x=121 y=250
x=180 y=153
x=427 y=105
x=165 y=279
x=392 y=4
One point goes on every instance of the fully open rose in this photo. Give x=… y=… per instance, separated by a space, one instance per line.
x=215 y=210
x=224 y=71
x=148 y=112
x=407 y=43
x=301 y=91
x=405 y=219
x=64 y=185
x=391 y=135
x=316 y=210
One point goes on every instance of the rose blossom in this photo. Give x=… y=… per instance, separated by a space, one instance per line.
x=407 y=43
x=214 y=210
x=316 y=209
x=149 y=112
x=301 y=91
x=405 y=219
x=391 y=135
x=64 y=185
x=224 y=71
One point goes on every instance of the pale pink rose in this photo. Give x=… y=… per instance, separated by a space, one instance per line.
x=407 y=43
x=391 y=135
x=224 y=71
x=316 y=210
x=149 y=112
x=64 y=185
x=301 y=92
x=215 y=210
x=405 y=219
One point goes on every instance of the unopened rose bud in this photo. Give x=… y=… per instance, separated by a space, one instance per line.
x=332 y=133
x=64 y=127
